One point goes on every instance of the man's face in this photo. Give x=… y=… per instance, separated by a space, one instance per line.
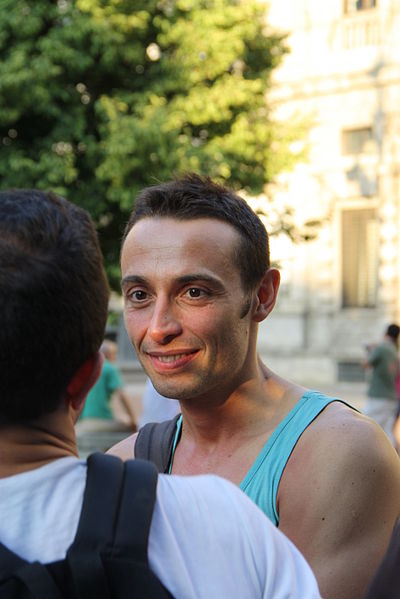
x=184 y=305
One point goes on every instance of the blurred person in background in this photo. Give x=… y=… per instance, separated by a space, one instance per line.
x=156 y=407
x=97 y=414
x=383 y=363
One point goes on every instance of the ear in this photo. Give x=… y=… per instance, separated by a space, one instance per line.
x=267 y=293
x=83 y=380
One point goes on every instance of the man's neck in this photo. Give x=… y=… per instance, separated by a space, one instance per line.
x=256 y=406
x=27 y=446
x=225 y=439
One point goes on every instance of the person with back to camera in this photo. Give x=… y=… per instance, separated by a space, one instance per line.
x=207 y=539
x=197 y=282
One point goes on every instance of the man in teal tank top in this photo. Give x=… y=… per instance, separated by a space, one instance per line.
x=197 y=281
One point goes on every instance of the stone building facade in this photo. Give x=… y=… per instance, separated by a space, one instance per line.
x=340 y=290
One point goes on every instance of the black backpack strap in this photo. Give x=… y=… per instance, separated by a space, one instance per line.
x=154 y=443
x=9 y=561
x=136 y=510
x=95 y=530
x=115 y=521
x=34 y=576
x=96 y=526
x=39 y=581
x=130 y=571
x=111 y=544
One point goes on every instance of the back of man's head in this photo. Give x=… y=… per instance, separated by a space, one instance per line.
x=193 y=197
x=393 y=332
x=109 y=349
x=53 y=300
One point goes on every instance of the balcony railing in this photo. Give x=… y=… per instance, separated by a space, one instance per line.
x=360 y=30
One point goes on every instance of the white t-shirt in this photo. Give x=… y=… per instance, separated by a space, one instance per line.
x=207 y=539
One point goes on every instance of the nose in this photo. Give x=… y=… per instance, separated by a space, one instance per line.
x=164 y=324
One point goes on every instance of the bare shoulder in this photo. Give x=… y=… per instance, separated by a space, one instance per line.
x=365 y=452
x=345 y=448
x=346 y=434
x=339 y=498
x=125 y=449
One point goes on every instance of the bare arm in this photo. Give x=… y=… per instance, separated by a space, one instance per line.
x=127 y=405
x=368 y=361
x=339 y=499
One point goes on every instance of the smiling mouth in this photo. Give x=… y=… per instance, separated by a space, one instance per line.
x=171 y=358
x=169 y=361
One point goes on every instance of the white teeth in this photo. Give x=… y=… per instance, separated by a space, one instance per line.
x=168 y=359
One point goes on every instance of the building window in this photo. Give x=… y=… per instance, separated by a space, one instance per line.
x=351 y=6
x=354 y=141
x=359 y=258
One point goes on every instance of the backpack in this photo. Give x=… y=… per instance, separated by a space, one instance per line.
x=108 y=557
x=155 y=441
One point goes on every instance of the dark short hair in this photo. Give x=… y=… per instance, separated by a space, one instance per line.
x=53 y=300
x=393 y=331
x=192 y=197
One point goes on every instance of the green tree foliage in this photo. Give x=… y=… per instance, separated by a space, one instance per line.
x=100 y=98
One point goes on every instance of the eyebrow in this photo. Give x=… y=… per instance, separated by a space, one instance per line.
x=133 y=279
x=192 y=277
x=183 y=280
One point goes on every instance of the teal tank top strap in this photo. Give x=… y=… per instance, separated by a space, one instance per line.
x=176 y=439
x=262 y=481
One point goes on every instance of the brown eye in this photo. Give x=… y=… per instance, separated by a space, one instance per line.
x=194 y=292
x=138 y=295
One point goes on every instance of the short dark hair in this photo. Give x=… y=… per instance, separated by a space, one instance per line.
x=393 y=331
x=53 y=299
x=191 y=197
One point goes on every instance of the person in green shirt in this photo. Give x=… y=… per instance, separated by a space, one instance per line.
x=97 y=411
x=383 y=361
